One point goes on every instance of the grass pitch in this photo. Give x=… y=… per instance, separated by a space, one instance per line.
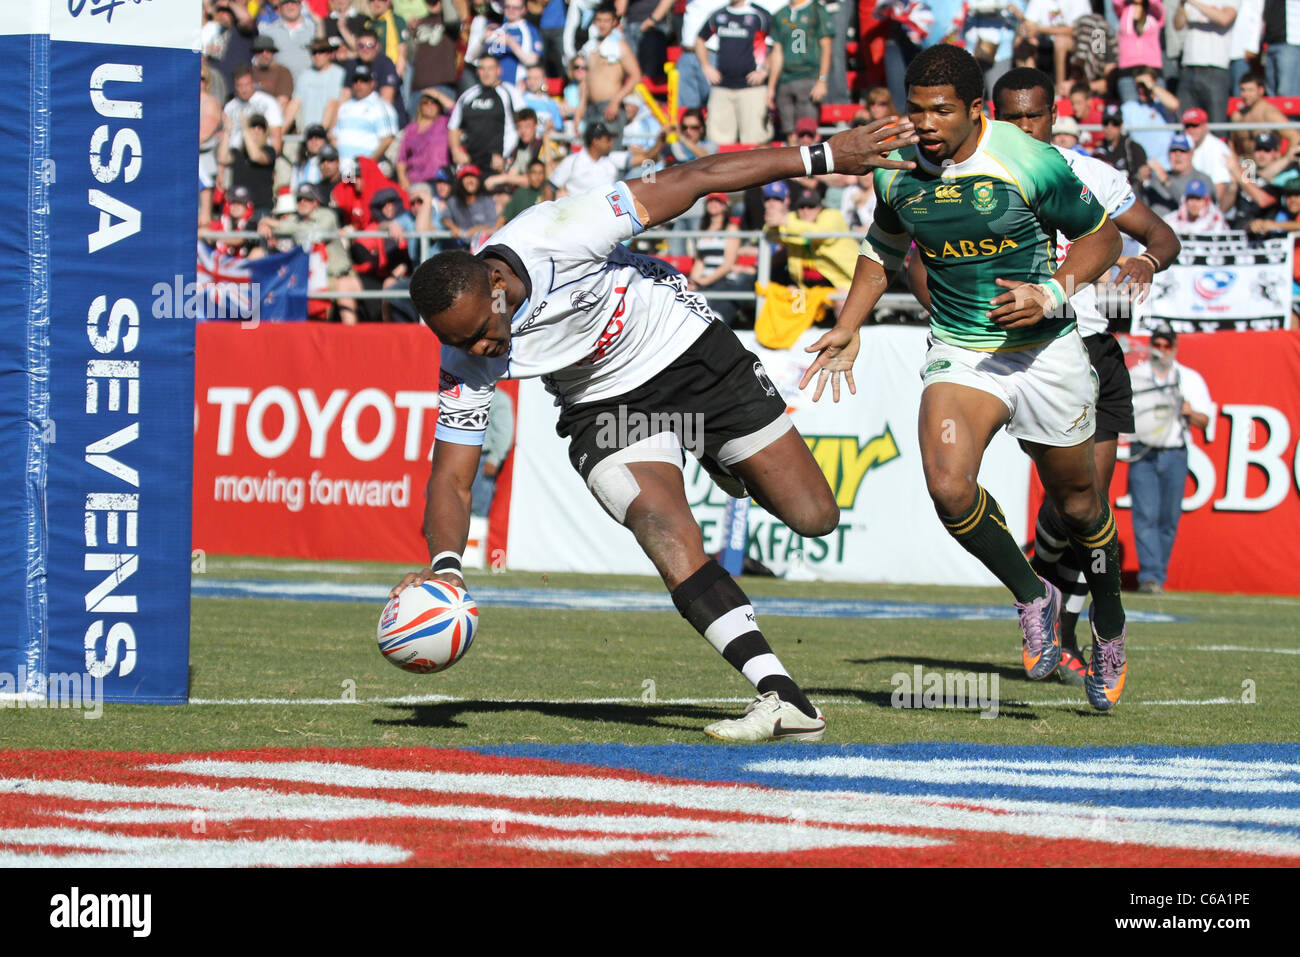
x=279 y=672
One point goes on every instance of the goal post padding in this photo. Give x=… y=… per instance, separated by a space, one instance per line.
x=98 y=380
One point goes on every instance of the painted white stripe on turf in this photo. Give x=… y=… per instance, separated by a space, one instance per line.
x=832 y=807
x=1263 y=651
x=182 y=804
x=1044 y=774
x=128 y=851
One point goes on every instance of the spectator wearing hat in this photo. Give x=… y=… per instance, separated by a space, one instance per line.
x=305 y=221
x=388 y=79
x=330 y=174
x=1197 y=213
x=1065 y=134
x=596 y=165
x=366 y=124
x=389 y=31
x=249 y=100
x=800 y=62
x=482 y=123
x=270 y=77
x=1169 y=400
x=1255 y=196
x=1154 y=106
x=236 y=215
x=641 y=128
x=425 y=146
x=1211 y=155
x=1137 y=39
x=1118 y=149
x=1255 y=108
x=1163 y=190
x=319 y=88
x=293 y=32
x=715 y=268
x=1203 y=79
x=738 y=96
x=435 y=63
x=470 y=212
x=252 y=163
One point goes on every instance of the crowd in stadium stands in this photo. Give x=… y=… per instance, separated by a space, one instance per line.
x=324 y=119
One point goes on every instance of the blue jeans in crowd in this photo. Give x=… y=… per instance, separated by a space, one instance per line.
x=1155 y=486
x=1282 y=69
x=692 y=87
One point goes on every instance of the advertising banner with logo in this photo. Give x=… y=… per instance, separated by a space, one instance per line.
x=101 y=191
x=1240 y=530
x=1225 y=281
x=866 y=446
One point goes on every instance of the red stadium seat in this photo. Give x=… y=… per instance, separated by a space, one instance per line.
x=1289 y=105
x=555 y=85
x=747 y=261
x=681 y=111
x=735 y=147
x=658 y=90
x=833 y=113
x=674 y=54
x=851 y=79
x=682 y=264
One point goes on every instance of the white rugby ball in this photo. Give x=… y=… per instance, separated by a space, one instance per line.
x=428 y=627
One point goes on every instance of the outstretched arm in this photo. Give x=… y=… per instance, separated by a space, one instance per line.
x=446 y=512
x=671 y=192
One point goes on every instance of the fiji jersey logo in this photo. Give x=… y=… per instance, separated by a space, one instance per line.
x=448 y=384
x=947 y=194
x=616 y=202
x=984 y=199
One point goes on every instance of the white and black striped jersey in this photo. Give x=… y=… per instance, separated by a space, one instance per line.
x=1112 y=189
x=599 y=321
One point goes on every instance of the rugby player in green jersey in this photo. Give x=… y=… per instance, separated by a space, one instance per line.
x=983 y=206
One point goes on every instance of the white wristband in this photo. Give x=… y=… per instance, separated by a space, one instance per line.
x=830 y=160
x=806 y=154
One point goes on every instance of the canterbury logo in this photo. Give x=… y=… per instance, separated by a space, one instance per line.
x=947 y=192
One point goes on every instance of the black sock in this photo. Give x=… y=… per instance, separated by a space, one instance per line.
x=982 y=531
x=717 y=608
x=1097 y=549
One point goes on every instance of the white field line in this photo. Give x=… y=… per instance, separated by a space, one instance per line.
x=838 y=701
x=1265 y=651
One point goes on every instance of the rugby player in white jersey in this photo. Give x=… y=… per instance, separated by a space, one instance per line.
x=1024 y=96
x=618 y=337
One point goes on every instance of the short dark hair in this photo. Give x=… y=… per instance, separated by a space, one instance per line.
x=1023 y=78
x=695 y=113
x=1081 y=88
x=535 y=162
x=239 y=71
x=1256 y=77
x=525 y=114
x=606 y=7
x=438 y=282
x=946 y=65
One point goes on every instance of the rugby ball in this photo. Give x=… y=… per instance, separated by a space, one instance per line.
x=428 y=627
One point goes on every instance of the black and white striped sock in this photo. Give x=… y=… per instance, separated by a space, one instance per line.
x=719 y=610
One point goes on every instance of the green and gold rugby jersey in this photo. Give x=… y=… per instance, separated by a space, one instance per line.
x=992 y=216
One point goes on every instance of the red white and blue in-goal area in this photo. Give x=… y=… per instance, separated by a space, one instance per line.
x=889 y=805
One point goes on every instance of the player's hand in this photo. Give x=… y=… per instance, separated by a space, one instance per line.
x=837 y=349
x=1135 y=276
x=1024 y=304
x=426 y=575
x=868 y=147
